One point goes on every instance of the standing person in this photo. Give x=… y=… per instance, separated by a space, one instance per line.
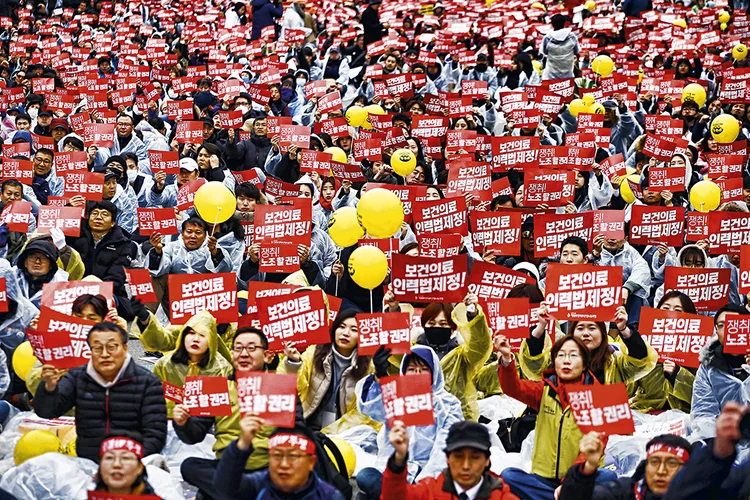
x=560 y=46
x=121 y=471
x=374 y=30
x=110 y=394
x=294 y=16
x=235 y=16
x=265 y=12
x=467 y=451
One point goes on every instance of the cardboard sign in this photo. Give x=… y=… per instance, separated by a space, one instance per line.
x=270 y=396
x=737 y=334
x=186 y=194
x=279 y=257
x=610 y=223
x=439 y=245
x=21 y=170
x=299 y=318
x=676 y=336
x=207 y=396
x=447 y=215
x=421 y=279
x=140 y=284
x=509 y=317
x=490 y=281
x=60 y=295
x=601 y=408
x=707 y=288
x=551 y=229
x=99 y=134
x=157 y=220
x=666 y=179
x=287 y=223
x=164 y=161
x=63 y=342
x=583 y=292
x=392 y=330
x=16 y=216
x=499 y=232
x=408 y=398
x=66 y=219
x=654 y=225
x=72 y=161
x=189 y=132
x=90 y=185
x=192 y=293
x=728 y=232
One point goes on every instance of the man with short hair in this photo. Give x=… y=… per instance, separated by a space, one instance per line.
x=127 y=142
x=45 y=182
x=110 y=394
x=250 y=153
x=467 y=477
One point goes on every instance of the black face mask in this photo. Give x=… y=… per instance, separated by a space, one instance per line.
x=437 y=336
x=481 y=68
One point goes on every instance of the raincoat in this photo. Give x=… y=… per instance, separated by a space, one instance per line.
x=177 y=259
x=127 y=206
x=166 y=198
x=657 y=390
x=636 y=272
x=427 y=442
x=175 y=373
x=13 y=326
x=69 y=260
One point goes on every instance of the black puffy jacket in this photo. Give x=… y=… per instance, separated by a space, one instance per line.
x=247 y=154
x=108 y=258
x=135 y=403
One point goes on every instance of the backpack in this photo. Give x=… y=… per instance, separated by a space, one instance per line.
x=328 y=469
x=512 y=431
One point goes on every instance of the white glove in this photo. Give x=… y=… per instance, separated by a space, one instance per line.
x=58 y=238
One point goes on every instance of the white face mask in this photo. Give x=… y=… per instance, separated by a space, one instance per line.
x=33 y=113
x=241 y=108
x=301 y=82
x=132 y=175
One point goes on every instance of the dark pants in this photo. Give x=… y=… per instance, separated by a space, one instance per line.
x=533 y=487
x=200 y=473
x=162 y=295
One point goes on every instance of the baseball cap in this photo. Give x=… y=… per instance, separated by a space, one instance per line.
x=188 y=164
x=59 y=123
x=467 y=434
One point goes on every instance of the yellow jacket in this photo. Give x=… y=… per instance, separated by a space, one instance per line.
x=164 y=339
x=656 y=392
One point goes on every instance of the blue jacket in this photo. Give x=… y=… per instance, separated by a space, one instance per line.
x=264 y=13
x=707 y=476
x=231 y=481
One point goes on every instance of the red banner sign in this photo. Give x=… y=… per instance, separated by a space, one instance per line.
x=392 y=330
x=16 y=216
x=270 y=396
x=278 y=257
x=737 y=334
x=408 y=398
x=62 y=340
x=299 y=318
x=499 y=232
x=510 y=317
x=707 y=288
x=601 y=408
x=141 y=286
x=728 y=232
x=192 y=293
x=490 y=281
x=551 y=229
x=90 y=185
x=164 y=161
x=420 y=279
x=156 y=220
x=676 y=336
x=666 y=179
x=288 y=223
x=654 y=225
x=207 y=396
x=60 y=295
x=583 y=292
x=440 y=216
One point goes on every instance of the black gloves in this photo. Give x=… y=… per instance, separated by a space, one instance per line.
x=380 y=360
x=140 y=311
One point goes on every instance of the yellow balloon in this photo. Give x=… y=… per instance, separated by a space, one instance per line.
x=23 y=360
x=577 y=106
x=380 y=213
x=368 y=267
x=725 y=129
x=625 y=192
x=590 y=5
x=739 y=52
x=680 y=22
x=214 y=202
x=374 y=109
x=356 y=116
x=35 y=443
x=537 y=65
x=343 y=227
x=403 y=162
x=538 y=5
x=588 y=99
x=723 y=26
x=596 y=109
x=347 y=452
x=724 y=17
x=603 y=66
x=629 y=171
x=694 y=92
x=705 y=196
x=339 y=154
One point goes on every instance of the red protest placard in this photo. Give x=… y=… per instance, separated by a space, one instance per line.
x=192 y=293
x=728 y=232
x=172 y=392
x=21 y=170
x=347 y=172
x=367 y=149
x=509 y=317
x=420 y=279
x=663 y=149
x=736 y=334
x=470 y=177
x=288 y=223
x=189 y=132
x=3 y=295
x=744 y=285
x=490 y=281
x=278 y=257
x=16 y=216
x=315 y=161
x=707 y=288
x=731 y=189
x=207 y=396
x=274 y=123
x=725 y=166
x=676 y=336
x=157 y=220
x=60 y=295
x=697 y=226
x=90 y=185
x=182 y=109
x=425 y=126
x=388 y=246
x=654 y=225
x=270 y=396
x=583 y=292
x=666 y=179
x=103 y=495
x=73 y=161
x=474 y=88
x=601 y=408
x=293 y=135
x=461 y=140
x=330 y=102
x=499 y=232
x=551 y=229
x=439 y=245
x=514 y=152
x=280 y=189
x=99 y=134
x=164 y=161
x=300 y=318
x=447 y=215
x=186 y=194
x=335 y=127
x=610 y=223
x=392 y=330
x=66 y=219
x=231 y=119
x=18 y=149
x=614 y=165
x=141 y=286
x=65 y=338
x=408 y=398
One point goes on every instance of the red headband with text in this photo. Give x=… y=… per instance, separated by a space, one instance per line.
x=680 y=453
x=121 y=443
x=292 y=441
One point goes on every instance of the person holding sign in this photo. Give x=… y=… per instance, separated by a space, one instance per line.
x=36 y=266
x=557 y=434
x=665 y=457
x=426 y=443
x=162 y=195
x=467 y=451
x=121 y=470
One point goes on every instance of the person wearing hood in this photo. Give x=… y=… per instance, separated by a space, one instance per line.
x=294 y=16
x=335 y=66
x=590 y=194
x=211 y=165
x=482 y=71
x=560 y=47
x=620 y=120
x=666 y=455
x=278 y=106
x=235 y=16
x=720 y=377
x=265 y=13
x=327 y=375
x=435 y=77
x=519 y=73
x=139 y=182
x=154 y=132
x=426 y=456
x=68 y=259
x=13 y=323
x=45 y=183
x=162 y=196
x=251 y=153
x=36 y=266
x=124 y=199
x=556 y=446
x=196 y=354
x=374 y=30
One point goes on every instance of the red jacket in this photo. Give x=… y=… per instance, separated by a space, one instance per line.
x=395 y=487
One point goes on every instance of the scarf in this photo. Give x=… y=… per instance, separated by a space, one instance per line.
x=328 y=205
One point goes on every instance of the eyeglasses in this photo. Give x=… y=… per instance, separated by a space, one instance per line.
x=572 y=356
x=112 y=348
x=671 y=464
x=100 y=215
x=43 y=161
x=527 y=234
x=277 y=456
x=250 y=348
x=38 y=257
